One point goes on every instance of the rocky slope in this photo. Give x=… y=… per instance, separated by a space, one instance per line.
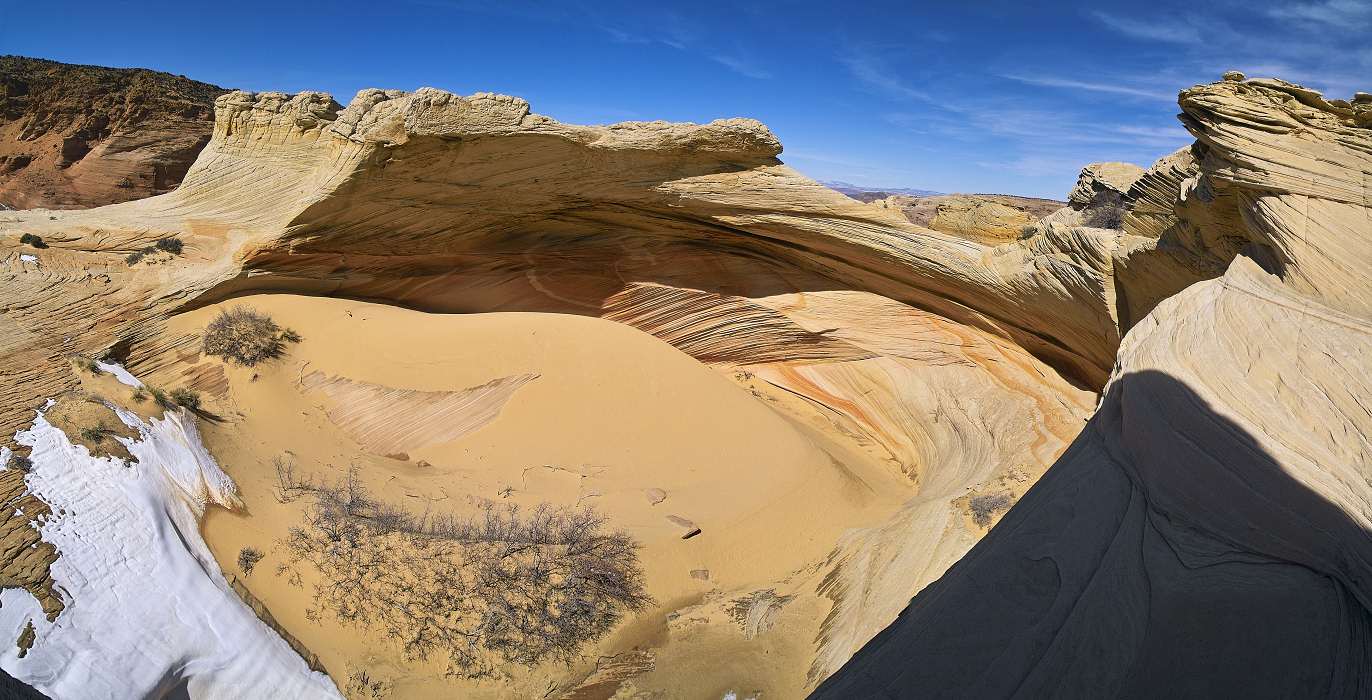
x=1208 y=532
x=83 y=136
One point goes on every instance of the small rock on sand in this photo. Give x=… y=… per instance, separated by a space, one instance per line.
x=688 y=528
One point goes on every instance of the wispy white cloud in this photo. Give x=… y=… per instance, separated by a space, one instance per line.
x=873 y=73
x=623 y=37
x=1345 y=15
x=742 y=66
x=671 y=30
x=1037 y=165
x=1160 y=137
x=1171 y=30
x=1111 y=88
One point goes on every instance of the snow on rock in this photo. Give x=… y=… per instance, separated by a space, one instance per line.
x=120 y=373
x=28 y=258
x=147 y=610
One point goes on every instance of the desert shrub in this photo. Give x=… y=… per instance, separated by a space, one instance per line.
x=20 y=462
x=95 y=433
x=31 y=239
x=985 y=507
x=248 y=558
x=290 y=336
x=243 y=335
x=1109 y=215
x=508 y=586
x=136 y=256
x=171 y=245
x=87 y=364
x=361 y=686
x=139 y=395
x=185 y=397
x=161 y=398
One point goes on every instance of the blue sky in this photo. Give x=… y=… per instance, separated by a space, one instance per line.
x=972 y=96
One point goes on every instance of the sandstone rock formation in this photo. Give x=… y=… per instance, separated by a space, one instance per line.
x=83 y=136
x=1208 y=532
x=954 y=365
x=985 y=218
x=930 y=375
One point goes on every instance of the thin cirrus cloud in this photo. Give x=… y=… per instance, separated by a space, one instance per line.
x=1336 y=14
x=679 y=38
x=1069 y=84
x=741 y=66
x=875 y=75
x=1171 y=31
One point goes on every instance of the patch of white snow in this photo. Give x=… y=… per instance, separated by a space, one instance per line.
x=147 y=609
x=119 y=373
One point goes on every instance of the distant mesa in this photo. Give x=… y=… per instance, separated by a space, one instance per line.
x=867 y=194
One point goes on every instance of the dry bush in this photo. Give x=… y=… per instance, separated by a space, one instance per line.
x=243 y=335
x=505 y=587
x=95 y=433
x=137 y=256
x=985 y=507
x=170 y=244
x=361 y=686
x=1109 y=215
x=160 y=397
x=248 y=558
x=186 y=397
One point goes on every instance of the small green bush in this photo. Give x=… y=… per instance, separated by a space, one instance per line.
x=139 y=395
x=186 y=397
x=22 y=463
x=171 y=245
x=161 y=398
x=95 y=434
x=35 y=241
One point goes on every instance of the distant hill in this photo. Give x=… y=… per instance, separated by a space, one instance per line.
x=869 y=194
x=82 y=136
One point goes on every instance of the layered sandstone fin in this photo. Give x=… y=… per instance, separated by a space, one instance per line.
x=1208 y=532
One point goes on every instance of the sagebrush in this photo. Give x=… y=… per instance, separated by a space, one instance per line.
x=246 y=336
x=985 y=507
x=508 y=586
x=248 y=558
x=186 y=397
x=1110 y=215
x=137 y=256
